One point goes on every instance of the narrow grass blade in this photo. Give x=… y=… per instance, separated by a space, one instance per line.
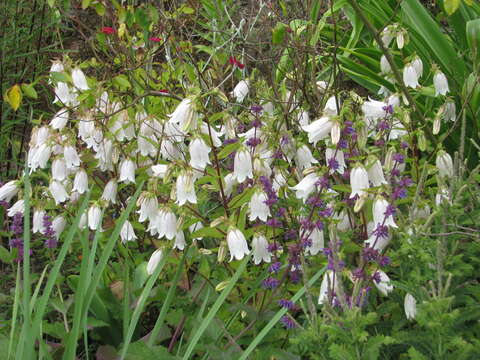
x=166 y=304
x=37 y=288
x=14 y=313
x=53 y=276
x=258 y=339
x=141 y=303
x=216 y=306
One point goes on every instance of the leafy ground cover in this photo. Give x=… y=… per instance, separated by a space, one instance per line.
x=223 y=180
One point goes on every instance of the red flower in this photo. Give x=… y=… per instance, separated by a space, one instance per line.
x=164 y=91
x=155 y=39
x=233 y=61
x=107 y=30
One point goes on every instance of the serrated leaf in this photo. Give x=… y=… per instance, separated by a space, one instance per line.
x=451 y=6
x=29 y=91
x=14 y=96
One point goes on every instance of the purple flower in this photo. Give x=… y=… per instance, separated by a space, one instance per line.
x=370 y=254
x=399 y=158
x=388 y=109
x=287 y=322
x=377 y=277
x=290 y=234
x=274 y=222
x=275 y=267
x=256 y=109
x=391 y=210
x=295 y=276
x=253 y=142
x=333 y=164
x=383 y=125
x=358 y=273
x=287 y=304
x=384 y=261
x=381 y=231
x=399 y=193
x=270 y=283
x=342 y=144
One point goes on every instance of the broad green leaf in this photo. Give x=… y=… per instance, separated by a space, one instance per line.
x=208 y=232
x=29 y=91
x=473 y=36
x=5 y=255
x=122 y=81
x=278 y=33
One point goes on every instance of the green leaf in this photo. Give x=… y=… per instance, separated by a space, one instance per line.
x=29 y=91
x=451 y=6
x=241 y=198
x=86 y=4
x=5 y=255
x=208 y=232
x=473 y=36
x=13 y=96
x=227 y=150
x=122 y=81
x=278 y=33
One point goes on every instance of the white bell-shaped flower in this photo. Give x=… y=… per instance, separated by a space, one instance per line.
x=241 y=90
x=58 y=192
x=16 y=208
x=318 y=242
x=335 y=160
x=8 y=190
x=184 y=116
x=127 y=171
x=199 y=151
x=382 y=215
x=260 y=250
x=59 y=169
x=79 y=79
x=383 y=285
x=410 y=76
x=328 y=286
x=94 y=217
x=444 y=164
x=410 y=306
x=186 y=188
x=80 y=183
x=155 y=258
x=58 y=225
x=159 y=170
x=37 y=223
x=385 y=67
x=148 y=207
x=305 y=187
x=374 y=110
x=242 y=165
x=127 y=233
x=304 y=158
x=258 y=208
x=60 y=119
x=303 y=118
x=164 y=224
x=331 y=106
x=39 y=157
x=237 y=244
x=418 y=65
x=375 y=172
x=230 y=181
x=72 y=160
x=110 y=191
x=440 y=83
x=358 y=181
x=319 y=129
x=179 y=241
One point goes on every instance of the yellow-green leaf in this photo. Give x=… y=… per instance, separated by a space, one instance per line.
x=451 y=6
x=29 y=91
x=14 y=96
x=86 y=4
x=469 y=2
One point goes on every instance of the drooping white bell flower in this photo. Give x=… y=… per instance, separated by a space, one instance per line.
x=72 y=159
x=199 y=151
x=442 y=196
x=110 y=192
x=186 y=188
x=57 y=66
x=449 y=112
x=60 y=119
x=194 y=227
x=410 y=306
x=374 y=110
x=335 y=133
x=378 y=243
x=94 y=217
x=400 y=39
x=230 y=181
x=303 y=118
x=237 y=244
x=318 y=242
x=58 y=192
x=127 y=233
x=179 y=241
x=58 y=225
x=385 y=65
x=261 y=167
x=79 y=79
x=418 y=65
x=63 y=94
x=80 y=183
x=305 y=187
x=146 y=139
x=304 y=158
x=159 y=170
x=328 y=286
x=8 y=190
x=410 y=76
x=242 y=165
x=387 y=36
x=260 y=250
x=37 y=223
x=155 y=258
x=444 y=164
x=184 y=115
x=383 y=285
x=319 y=129
x=258 y=208
x=82 y=224
x=16 y=208
x=440 y=83
x=164 y=224
x=241 y=90
x=59 y=169
x=127 y=171
x=39 y=157
x=383 y=213
x=375 y=172
x=331 y=106
x=148 y=207
x=358 y=180
x=335 y=160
